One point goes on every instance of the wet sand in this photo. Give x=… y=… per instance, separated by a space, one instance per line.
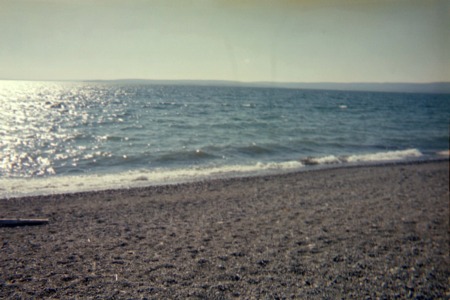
x=355 y=233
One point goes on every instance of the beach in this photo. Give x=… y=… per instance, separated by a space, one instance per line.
x=365 y=232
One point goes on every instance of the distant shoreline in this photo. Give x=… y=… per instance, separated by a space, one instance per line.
x=387 y=87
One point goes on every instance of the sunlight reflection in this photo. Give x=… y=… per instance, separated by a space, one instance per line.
x=34 y=120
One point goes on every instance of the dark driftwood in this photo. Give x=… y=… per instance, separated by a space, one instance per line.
x=22 y=222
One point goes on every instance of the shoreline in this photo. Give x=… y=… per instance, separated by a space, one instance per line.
x=378 y=231
x=244 y=175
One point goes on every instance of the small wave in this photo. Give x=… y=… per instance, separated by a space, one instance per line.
x=97 y=154
x=369 y=157
x=385 y=156
x=248 y=105
x=330 y=159
x=443 y=153
x=280 y=165
x=16 y=187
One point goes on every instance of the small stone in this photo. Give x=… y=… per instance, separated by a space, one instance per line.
x=235 y=277
x=263 y=262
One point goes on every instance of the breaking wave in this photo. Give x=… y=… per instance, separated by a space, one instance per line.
x=369 y=157
x=16 y=187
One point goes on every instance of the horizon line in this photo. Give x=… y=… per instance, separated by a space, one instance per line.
x=437 y=87
x=233 y=81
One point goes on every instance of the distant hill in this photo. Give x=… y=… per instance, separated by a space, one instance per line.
x=433 y=87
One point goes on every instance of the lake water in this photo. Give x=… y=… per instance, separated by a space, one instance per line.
x=74 y=136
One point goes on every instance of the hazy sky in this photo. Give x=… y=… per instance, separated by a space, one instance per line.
x=244 y=40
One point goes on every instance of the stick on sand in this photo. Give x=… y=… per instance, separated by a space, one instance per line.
x=22 y=222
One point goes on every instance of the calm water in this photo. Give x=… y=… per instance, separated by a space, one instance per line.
x=82 y=136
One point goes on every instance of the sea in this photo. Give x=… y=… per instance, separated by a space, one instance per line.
x=60 y=137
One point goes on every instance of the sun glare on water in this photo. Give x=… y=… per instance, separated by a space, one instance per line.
x=30 y=125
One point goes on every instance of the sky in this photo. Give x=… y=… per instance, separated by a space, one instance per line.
x=239 y=40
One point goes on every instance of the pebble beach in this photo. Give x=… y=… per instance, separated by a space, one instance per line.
x=366 y=232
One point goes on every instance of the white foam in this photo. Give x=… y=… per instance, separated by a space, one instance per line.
x=324 y=160
x=443 y=153
x=16 y=187
x=385 y=156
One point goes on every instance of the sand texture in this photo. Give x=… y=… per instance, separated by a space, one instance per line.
x=379 y=232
